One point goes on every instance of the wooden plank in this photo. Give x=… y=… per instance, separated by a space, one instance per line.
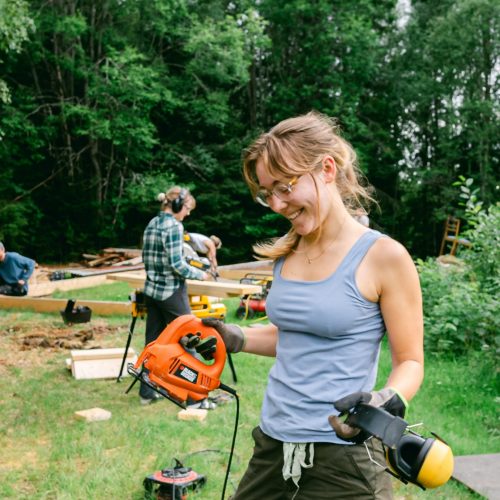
x=221 y=288
x=212 y=288
x=239 y=271
x=102 y=307
x=109 y=353
x=121 y=268
x=100 y=363
x=49 y=287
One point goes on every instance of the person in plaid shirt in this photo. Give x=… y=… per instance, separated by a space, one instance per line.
x=165 y=288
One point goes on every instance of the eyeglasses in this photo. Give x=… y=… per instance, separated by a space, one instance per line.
x=281 y=190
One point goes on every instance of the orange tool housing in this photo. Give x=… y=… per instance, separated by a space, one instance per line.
x=173 y=371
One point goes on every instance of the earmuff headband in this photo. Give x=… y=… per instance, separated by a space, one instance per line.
x=178 y=202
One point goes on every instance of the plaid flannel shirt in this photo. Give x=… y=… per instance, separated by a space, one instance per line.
x=163 y=257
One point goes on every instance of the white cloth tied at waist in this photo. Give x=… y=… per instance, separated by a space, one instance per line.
x=294 y=458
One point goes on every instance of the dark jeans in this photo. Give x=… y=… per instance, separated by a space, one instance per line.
x=16 y=290
x=160 y=314
x=339 y=472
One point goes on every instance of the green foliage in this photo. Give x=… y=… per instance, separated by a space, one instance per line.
x=484 y=256
x=461 y=302
x=105 y=93
x=15 y=27
x=458 y=316
x=469 y=200
x=448 y=119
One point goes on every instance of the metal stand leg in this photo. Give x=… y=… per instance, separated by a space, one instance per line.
x=129 y=339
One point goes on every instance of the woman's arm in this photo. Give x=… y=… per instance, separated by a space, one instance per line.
x=174 y=238
x=401 y=306
x=211 y=252
x=261 y=341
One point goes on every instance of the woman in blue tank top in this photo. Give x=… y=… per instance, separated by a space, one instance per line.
x=338 y=287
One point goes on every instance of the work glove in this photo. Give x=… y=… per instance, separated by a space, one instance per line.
x=232 y=335
x=388 y=399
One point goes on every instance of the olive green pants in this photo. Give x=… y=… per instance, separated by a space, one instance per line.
x=339 y=471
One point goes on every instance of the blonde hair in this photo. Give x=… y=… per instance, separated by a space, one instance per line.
x=173 y=193
x=295 y=147
x=216 y=240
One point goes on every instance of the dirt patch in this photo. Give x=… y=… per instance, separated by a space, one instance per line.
x=43 y=340
x=64 y=338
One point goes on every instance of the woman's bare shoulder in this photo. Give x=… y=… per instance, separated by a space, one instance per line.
x=387 y=252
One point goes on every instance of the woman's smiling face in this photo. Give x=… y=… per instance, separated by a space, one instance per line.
x=307 y=205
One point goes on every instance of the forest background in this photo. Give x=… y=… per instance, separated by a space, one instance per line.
x=104 y=103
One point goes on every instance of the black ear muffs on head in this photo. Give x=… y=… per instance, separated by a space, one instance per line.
x=178 y=202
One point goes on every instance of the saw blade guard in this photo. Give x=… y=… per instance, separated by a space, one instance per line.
x=171 y=368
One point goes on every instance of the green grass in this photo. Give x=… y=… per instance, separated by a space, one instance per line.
x=114 y=291
x=48 y=454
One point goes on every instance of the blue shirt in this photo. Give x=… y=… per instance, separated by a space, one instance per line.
x=328 y=346
x=16 y=267
x=163 y=259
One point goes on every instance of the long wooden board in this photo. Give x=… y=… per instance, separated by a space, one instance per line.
x=103 y=307
x=87 y=271
x=49 y=287
x=239 y=271
x=211 y=288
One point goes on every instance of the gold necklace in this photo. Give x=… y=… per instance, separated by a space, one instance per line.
x=310 y=259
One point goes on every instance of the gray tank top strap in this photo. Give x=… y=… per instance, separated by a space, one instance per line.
x=359 y=250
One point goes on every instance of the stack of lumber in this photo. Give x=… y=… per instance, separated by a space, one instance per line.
x=114 y=257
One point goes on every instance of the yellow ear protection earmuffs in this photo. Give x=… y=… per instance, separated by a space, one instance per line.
x=178 y=202
x=426 y=462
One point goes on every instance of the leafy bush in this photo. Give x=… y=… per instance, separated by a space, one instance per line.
x=484 y=256
x=458 y=316
x=460 y=305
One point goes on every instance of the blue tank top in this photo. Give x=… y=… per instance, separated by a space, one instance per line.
x=328 y=346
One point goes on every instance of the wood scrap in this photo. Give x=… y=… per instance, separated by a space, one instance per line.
x=107 y=259
x=192 y=414
x=129 y=253
x=113 y=256
x=93 y=415
x=90 y=256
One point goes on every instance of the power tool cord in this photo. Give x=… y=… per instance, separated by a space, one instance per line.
x=236 y=420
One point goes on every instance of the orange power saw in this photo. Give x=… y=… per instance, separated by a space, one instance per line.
x=166 y=366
